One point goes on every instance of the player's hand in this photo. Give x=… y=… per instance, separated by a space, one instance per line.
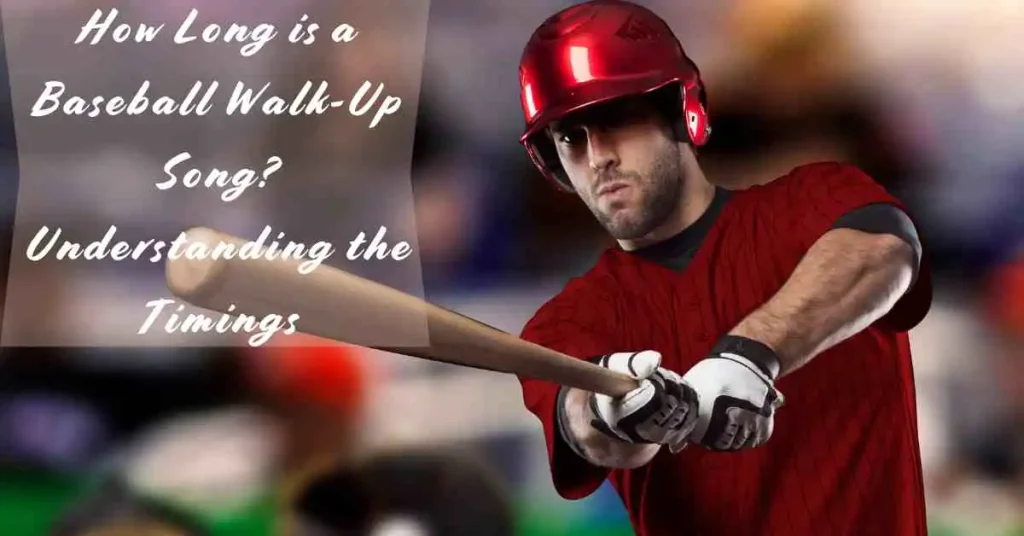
x=736 y=395
x=661 y=410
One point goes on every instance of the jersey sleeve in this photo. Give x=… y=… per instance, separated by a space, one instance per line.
x=819 y=195
x=579 y=323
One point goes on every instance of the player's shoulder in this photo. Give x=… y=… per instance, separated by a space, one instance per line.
x=820 y=174
x=597 y=283
x=811 y=184
x=593 y=291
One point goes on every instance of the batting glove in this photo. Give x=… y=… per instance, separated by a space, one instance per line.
x=661 y=410
x=736 y=395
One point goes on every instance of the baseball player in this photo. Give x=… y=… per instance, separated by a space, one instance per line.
x=719 y=302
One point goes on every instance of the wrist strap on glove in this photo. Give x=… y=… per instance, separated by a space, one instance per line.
x=756 y=352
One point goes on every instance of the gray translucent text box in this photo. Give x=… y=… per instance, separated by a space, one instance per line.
x=315 y=177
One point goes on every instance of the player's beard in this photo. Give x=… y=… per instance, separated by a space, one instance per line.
x=657 y=193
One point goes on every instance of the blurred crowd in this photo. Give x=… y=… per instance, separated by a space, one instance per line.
x=921 y=95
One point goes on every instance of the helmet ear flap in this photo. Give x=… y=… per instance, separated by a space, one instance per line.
x=693 y=124
x=544 y=155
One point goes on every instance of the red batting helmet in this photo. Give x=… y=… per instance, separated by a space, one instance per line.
x=596 y=52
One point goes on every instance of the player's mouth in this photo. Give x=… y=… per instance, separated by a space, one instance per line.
x=611 y=189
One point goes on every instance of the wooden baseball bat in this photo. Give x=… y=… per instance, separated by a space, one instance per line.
x=337 y=305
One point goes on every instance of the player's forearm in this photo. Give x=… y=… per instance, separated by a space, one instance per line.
x=598 y=448
x=846 y=281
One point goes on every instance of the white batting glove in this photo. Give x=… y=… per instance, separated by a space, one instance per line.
x=661 y=410
x=736 y=395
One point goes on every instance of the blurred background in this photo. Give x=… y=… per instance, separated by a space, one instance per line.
x=925 y=96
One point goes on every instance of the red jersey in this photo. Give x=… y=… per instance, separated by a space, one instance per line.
x=844 y=456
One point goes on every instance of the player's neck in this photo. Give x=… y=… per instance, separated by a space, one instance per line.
x=696 y=196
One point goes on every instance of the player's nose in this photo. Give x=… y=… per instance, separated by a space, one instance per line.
x=601 y=154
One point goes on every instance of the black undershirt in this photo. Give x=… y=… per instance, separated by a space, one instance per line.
x=677 y=251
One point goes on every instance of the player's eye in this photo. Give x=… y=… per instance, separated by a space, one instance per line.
x=570 y=137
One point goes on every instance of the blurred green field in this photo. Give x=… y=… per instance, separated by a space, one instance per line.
x=28 y=504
